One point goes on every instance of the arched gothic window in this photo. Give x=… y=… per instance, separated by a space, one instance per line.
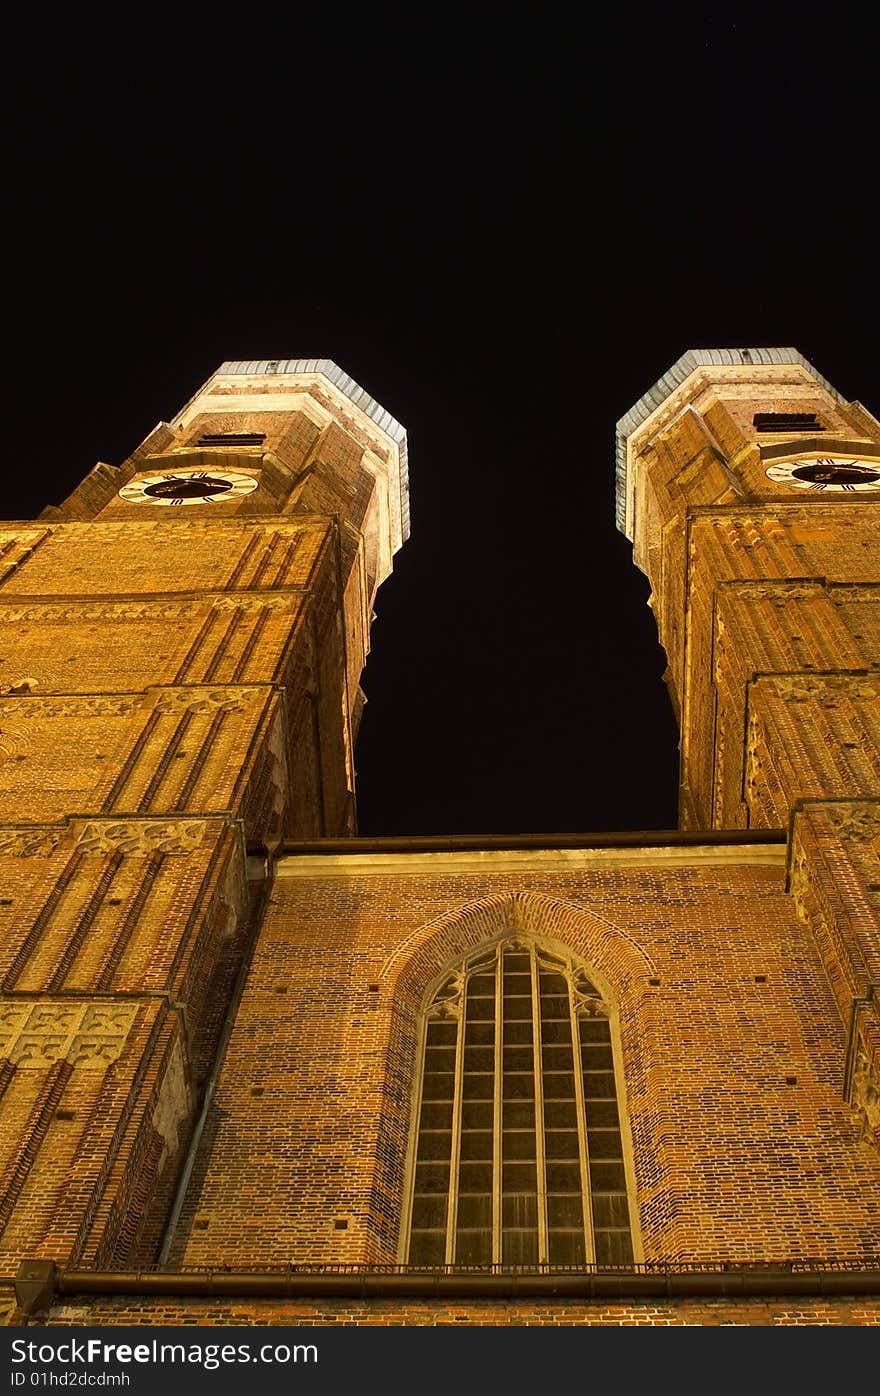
x=518 y=1156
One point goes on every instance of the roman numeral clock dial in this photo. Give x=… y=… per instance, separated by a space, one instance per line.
x=831 y=474
x=180 y=487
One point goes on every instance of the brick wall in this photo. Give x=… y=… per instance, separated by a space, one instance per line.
x=744 y=1147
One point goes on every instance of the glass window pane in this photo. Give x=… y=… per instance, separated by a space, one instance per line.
x=439 y=1059
x=517 y=1009
x=519 y=1247
x=567 y=1248
x=520 y=1032
x=476 y=1034
x=475 y=1087
x=557 y=1058
x=482 y=985
x=519 y=1086
x=473 y=1248
x=613 y=1248
x=610 y=1210
x=599 y=1085
x=518 y=1144
x=563 y=1177
x=517 y=984
x=604 y=1143
x=601 y=1114
x=517 y=962
x=607 y=1177
x=479 y=1058
x=442 y=1034
x=561 y=1144
x=560 y=1114
x=595 y=1030
x=427 y=1248
x=554 y=1006
x=595 y=1057
x=480 y=1008
x=435 y=1144
x=438 y=1086
x=474 y=1212
x=553 y=984
x=476 y=1144
x=518 y=1114
x=566 y=1212
x=559 y=1085
x=519 y=1210
x=432 y=1177
x=475 y=1177
x=559 y=1030
x=518 y=1059
x=436 y=1116
x=429 y=1211
x=519 y=1177
x=477 y=1114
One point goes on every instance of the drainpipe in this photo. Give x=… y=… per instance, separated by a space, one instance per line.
x=39 y=1284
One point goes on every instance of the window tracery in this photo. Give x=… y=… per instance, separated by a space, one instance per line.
x=518 y=1154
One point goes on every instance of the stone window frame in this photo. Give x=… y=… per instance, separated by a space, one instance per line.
x=445 y=1006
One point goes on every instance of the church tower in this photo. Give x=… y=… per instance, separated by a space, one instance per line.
x=750 y=490
x=183 y=640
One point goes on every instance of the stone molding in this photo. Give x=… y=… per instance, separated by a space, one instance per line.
x=826 y=688
x=857 y=821
x=70 y=705
x=203 y=700
x=88 y=609
x=33 y=842
x=156 y=607
x=140 y=837
x=865 y=1093
x=34 y=1034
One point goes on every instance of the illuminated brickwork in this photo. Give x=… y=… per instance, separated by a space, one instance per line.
x=210 y=1027
x=179 y=678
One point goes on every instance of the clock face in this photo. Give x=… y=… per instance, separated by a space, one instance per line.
x=187 y=487
x=834 y=474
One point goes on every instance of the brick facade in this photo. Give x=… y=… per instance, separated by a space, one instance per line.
x=210 y=1024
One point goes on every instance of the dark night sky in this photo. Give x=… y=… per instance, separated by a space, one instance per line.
x=506 y=247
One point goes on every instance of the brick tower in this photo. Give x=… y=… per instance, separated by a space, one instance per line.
x=569 y=1079
x=750 y=490
x=182 y=646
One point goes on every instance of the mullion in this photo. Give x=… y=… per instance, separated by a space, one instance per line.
x=613 y=1243
x=455 y=1151
x=518 y=1242
x=563 y=1141
x=476 y=1135
x=540 y=1134
x=424 y=1222
x=497 y=1116
x=586 y=1184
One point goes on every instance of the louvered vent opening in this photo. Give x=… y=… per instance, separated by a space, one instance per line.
x=787 y=421
x=232 y=438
